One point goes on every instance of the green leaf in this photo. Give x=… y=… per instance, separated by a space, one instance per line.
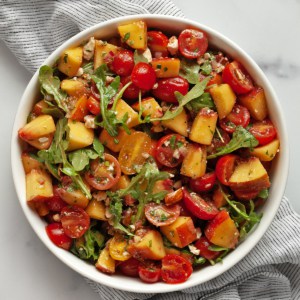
x=126 y=37
x=206 y=68
x=98 y=147
x=81 y=158
x=241 y=138
x=139 y=57
x=88 y=247
x=88 y=68
x=264 y=194
x=51 y=85
x=217 y=248
x=203 y=101
x=199 y=261
x=189 y=70
x=53 y=111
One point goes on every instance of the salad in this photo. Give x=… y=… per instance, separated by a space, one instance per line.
x=148 y=154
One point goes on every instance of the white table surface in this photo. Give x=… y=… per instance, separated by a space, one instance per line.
x=268 y=30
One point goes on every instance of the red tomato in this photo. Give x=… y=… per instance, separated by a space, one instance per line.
x=58 y=237
x=130 y=267
x=236 y=76
x=143 y=76
x=199 y=207
x=157 y=42
x=160 y=215
x=75 y=221
x=166 y=87
x=204 y=183
x=218 y=141
x=170 y=150
x=238 y=116
x=263 y=131
x=192 y=43
x=93 y=105
x=123 y=63
x=175 y=269
x=225 y=167
x=103 y=175
x=202 y=244
x=132 y=92
x=149 y=272
x=55 y=203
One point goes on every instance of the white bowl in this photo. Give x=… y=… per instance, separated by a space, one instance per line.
x=278 y=174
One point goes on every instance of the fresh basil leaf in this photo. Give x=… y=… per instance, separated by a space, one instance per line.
x=241 y=138
x=189 y=70
x=139 y=57
x=51 y=85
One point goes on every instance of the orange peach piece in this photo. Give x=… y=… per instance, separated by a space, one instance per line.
x=222 y=231
x=166 y=67
x=30 y=163
x=105 y=262
x=80 y=110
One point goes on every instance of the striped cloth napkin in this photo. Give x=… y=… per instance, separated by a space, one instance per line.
x=33 y=29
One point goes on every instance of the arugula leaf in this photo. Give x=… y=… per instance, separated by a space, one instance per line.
x=189 y=70
x=199 y=261
x=56 y=155
x=51 y=85
x=109 y=118
x=241 y=138
x=98 y=147
x=53 y=111
x=264 y=194
x=195 y=92
x=88 y=68
x=206 y=68
x=139 y=57
x=197 y=104
x=217 y=248
x=88 y=247
x=81 y=158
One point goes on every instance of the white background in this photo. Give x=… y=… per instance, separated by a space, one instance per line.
x=268 y=30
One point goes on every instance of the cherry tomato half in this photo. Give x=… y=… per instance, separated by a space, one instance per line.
x=202 y=244
x=149 y=272
x=236 y=76
x=132 y=92
x=170 y=150
x=123 y=62
x=93 y=105
x=225 y=167
x=263 y=131
x=58 y=237
x=175 y=269
x=130 y=267
x=55 y=203
x=238 y=116
x=204 y=183
x=192 y=43
x=199 y=207
x=143 y=76
x=103 y=174
x=166 y=87
x=157 y=42
x=160 y=215
x=75 y=221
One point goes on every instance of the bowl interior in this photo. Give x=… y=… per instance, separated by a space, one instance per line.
x=278 y=173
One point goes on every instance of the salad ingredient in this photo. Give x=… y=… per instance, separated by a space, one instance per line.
x=204 y=183
x=204 y=245
x=175 y=269
x=197 y=206
x=255 y=101
x=96 y=210
x=263 y=131
x=161 y=215
x=130 y=267
x=266 y=152
x=123 y=63
x=192 y=43
x=181 y=232
x=237 y=77
x=143 y=76
x=70 y=61
x=104 y=53
x=157 y=43
x=57 y=235
x=166 y=67
x=224 y=99
x=225 y=167
x=149 y=272
x=105 y=262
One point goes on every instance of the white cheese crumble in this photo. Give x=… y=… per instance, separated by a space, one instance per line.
x=88 y=49
x=173 y=45
x=194 y=250
x=89 y=121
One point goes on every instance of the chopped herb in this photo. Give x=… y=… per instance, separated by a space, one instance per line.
x=126 y=37
x=172 y=141
x=116 y=141
x=158 y=66
x=165 y=69
x=66 y=58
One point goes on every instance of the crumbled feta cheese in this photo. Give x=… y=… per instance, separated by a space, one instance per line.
x=79 y=72
x=56 y=217
x=89 y=121
x=136 y=238
x=88 y=49
x=207 y=55
x=43 y=139
x=147 y=54
x=111 y=167
x=145 y=155
x=177 y=184
x=194 y=250
x=132 y=227
x=198 y=232
x=167 y=143
x=173 y=45
x=176 y=154
x=109 y=79
x=155 y=86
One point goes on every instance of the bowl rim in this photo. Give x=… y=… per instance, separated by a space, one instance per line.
x=212 y=271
